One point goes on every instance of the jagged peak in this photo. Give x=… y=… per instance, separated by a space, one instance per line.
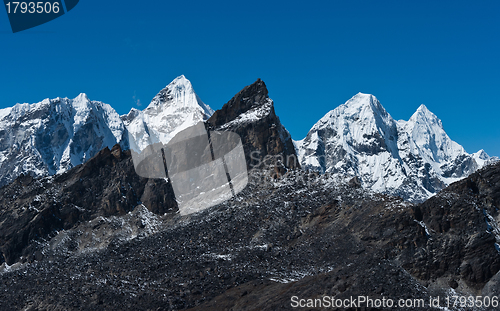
x=483 y=159
x=250 y=97
x=365 y=100
x=361 y=105
x=82 y=97
x=481 y=154
x=181 y=77
x=423 y=114
x=423 y=108
x=365 y=95
x=133 y=113
x=180 y=83
x=178 y=94
x=258 y=87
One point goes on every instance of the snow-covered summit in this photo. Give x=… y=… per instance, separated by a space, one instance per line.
x=54 y=135
x=483 y=159
x=414 y=158
x=428 y=139
x=178 y=95
x=172 y=110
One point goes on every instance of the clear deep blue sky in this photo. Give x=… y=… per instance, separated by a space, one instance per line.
x=313 y=56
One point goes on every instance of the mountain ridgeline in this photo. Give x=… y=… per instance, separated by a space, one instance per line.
x=363 y=205
x=412 y=159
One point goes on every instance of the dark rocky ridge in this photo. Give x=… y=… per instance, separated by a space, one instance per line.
x=107 y=185
x=463 y=219
x=265 y=137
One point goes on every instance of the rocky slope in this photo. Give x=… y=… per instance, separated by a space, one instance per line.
x=34 y=210
x=108 y=185
x=303 y=235
x=413 y=159
x=99 y=237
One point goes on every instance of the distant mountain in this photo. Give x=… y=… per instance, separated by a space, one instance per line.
x=172 y=110
x=57 y=134
x=413 y=159
x=54 y=135
x=107 y=185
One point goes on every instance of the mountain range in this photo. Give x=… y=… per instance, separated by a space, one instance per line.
x=412 y=159
x=86 y=232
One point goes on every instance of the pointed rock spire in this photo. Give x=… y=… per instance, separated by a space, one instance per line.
x=248 y=98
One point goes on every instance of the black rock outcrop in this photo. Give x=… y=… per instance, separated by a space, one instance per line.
x=250 y=113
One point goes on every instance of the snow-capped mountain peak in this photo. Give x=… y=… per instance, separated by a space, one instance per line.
x=424 y=116
x=54 y=135
x=82 y=97
x=413 y=159
x=178 y=95
x=483 y=159
x=361 y=125
x=428 y=138
x=173 y=109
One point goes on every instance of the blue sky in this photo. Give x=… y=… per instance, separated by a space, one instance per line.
x=313 y=56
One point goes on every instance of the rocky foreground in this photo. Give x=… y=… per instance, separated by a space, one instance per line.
x=301 y=235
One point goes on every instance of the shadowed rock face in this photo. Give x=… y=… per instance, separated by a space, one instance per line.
x=462 y=225
x=250 y=114
x=251 y=96
x=33 y=209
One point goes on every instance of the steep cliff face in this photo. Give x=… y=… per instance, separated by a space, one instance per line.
x=250 y=114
